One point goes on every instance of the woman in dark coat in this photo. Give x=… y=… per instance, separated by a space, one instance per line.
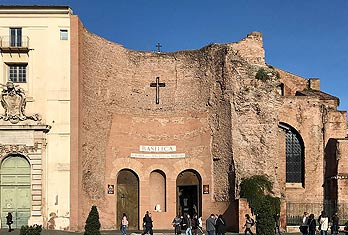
x=9 y=221
x=311 y=224
x=220 y=225
x=147 y=224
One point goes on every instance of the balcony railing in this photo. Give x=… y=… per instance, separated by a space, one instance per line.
x=14 y=44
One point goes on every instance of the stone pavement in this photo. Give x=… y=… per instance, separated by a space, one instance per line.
x=104 y=232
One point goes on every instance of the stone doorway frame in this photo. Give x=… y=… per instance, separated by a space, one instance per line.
x=33 y=149
x=189 y=182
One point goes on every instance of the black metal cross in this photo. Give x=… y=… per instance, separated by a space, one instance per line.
x=157 y=84
x=158 y=47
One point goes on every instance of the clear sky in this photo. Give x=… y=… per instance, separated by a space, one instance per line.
x=305 y=37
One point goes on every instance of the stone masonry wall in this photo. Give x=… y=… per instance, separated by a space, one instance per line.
x=217 y=82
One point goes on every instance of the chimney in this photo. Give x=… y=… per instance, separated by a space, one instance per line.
x=314 y=84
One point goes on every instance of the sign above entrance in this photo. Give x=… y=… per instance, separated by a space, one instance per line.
x=156 y=155
x=167 y=149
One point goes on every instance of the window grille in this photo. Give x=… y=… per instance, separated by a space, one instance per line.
x=294 y=157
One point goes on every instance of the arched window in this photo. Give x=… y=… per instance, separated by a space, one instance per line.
x=294 y=149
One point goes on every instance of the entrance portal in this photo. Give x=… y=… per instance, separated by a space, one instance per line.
x=15 y=192
x=128 y=198
x=188 y=189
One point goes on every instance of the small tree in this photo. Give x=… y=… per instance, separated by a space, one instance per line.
x=92 y=226
x=30 y=230
x=258 y=192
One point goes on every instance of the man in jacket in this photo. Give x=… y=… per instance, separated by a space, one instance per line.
x=210 y=224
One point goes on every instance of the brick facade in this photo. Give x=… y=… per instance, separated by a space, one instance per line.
x=212 y=109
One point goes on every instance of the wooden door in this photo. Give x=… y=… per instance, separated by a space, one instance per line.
x=15 y=196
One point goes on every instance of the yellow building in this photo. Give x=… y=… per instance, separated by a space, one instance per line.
x=34 y=149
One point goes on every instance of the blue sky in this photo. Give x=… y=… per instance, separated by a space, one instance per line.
x=305 y=37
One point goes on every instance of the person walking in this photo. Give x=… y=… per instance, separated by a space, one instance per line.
x=188 y=224
x=200 y=225
x=195 y=224
x=147 y=220
x=304 y=225
x=124 y=224
x=324 y=223
x=249 y=222
x=335 y=223
x=220 y=225
x=210 y=225
x=9 y=221
x=311 y=225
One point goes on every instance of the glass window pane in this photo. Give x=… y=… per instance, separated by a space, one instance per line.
x=16 y=37
x=18 y=73
x=63 y=34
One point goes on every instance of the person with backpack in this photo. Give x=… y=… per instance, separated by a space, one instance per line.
x=249 y=222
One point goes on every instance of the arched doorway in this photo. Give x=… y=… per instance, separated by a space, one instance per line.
x=128 y=198
x=15 y=190
x=188 y=191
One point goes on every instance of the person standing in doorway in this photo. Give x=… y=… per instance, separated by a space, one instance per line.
x=188 y=224
x=124 y=224
x=9 y=221
x=147 y=220
x=210 y=225
x=194 y=224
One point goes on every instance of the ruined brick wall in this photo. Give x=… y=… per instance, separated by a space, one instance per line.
x=214 y=86
x=218 y=80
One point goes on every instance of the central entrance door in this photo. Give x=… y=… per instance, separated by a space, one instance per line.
x=128 y=198
x=15 y=193
x=188 y=189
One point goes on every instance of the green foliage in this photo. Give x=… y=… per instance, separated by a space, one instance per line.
x=30 y=230
x=258 y=192
x=92 y=226
x=262 y=75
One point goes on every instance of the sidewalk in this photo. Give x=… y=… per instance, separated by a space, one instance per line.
x=106 y=232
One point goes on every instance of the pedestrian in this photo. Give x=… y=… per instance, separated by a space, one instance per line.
x=324 y=223
x=335 y=220
x=249 y=222
x=311 y=225
x=210 y=225
x=147 y=221
x=9 y=221
x=304 y=225
x=194 y=224
x=277 y=224
x=220 y=225
x=200 y=225
x=187 y=224
x=177 y=225
x=124 y=224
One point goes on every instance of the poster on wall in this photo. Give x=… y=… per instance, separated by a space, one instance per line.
x=206 y=189
x=111 y=189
